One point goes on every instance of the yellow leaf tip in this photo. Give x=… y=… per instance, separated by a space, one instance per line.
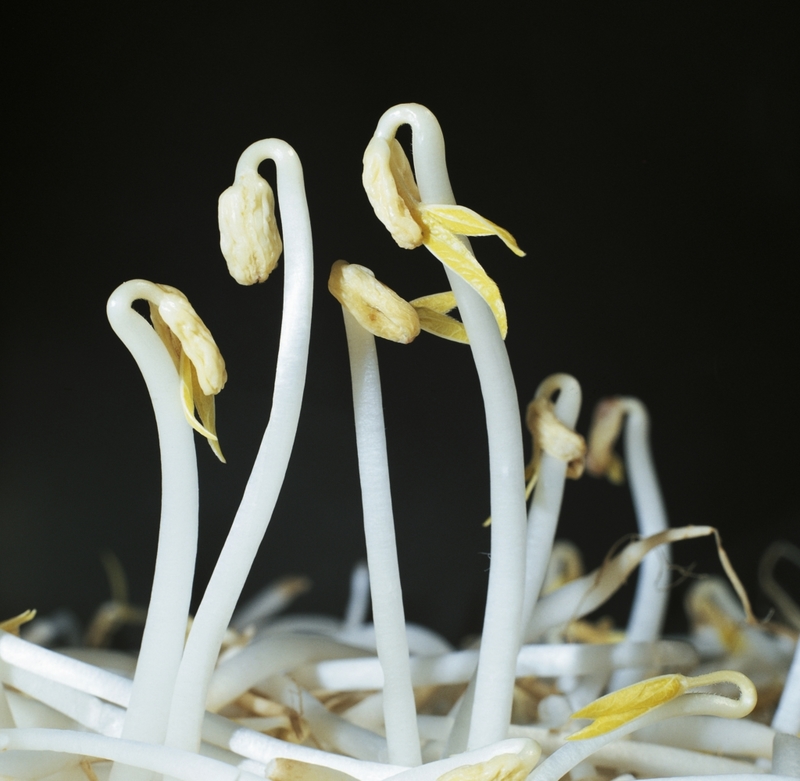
x=620 y=707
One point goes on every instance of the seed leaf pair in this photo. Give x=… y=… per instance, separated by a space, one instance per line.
x=195 y=355
x=622 y=706
x=375 y=306
x=392 y=190
x=625 y=705
x=248 y=233
x=434 y=318
x=552 y=436
x=383 y=313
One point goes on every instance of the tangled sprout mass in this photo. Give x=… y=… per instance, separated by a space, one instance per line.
x=238 y=692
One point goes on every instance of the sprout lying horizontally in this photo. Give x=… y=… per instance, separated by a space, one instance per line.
x=249 y=695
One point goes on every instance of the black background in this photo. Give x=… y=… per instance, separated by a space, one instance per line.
x=643 y=155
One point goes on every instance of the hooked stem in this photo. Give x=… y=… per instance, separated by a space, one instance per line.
x=263 y=487
x=165 y=629
x=491 y=712
x=646 y=620
x=548 y=494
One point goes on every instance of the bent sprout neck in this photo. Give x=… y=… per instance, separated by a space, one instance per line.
x=164 y=632
x=263 y=487
x=491 y=709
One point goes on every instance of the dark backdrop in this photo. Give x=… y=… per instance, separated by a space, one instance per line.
x=642 y=155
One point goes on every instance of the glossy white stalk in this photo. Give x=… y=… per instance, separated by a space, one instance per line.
x=501 y=627
x=330 y=730
x=6 y=717
x=548 y=493
x=435 y=770
x=712 y=735
x=541 y=661
x=729 y=777
x=787 y=715
x=358 y=601
x=573 y=752
x=400 y=713
x=272 y=599
x=645 y=759
x=222 y=732
x=53 y=666
x=84 y=709
x=272 y=654
x=181 y=765
x=263 y=487
x=93 y=684
x=162 y=643
x=649 y=610
x=786 y=755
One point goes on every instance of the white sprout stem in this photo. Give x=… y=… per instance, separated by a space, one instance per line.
x=330 y=730
x=85 y=709
x=461 y=713
x=421 y=641
x=399 y=708
x=645 y=759
x=6 y=717
x=220 y=731
x=501 y=627
x=435 y=770
x=358 y=601
x=433 y=727
x=164 y=631
x=266 y=479
x=53 y=765
x=541 y=661
x=90 y=683
x=547 y=496
x=787 y=715
x=712 y=735
x=181 y=765
x=579 y=597
x=272 y=654
x=16 y=652
x=272 y=599
x=573 y=752
x=649 y=609
x=786 y=755
x=727 y=777
x=367 y=713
